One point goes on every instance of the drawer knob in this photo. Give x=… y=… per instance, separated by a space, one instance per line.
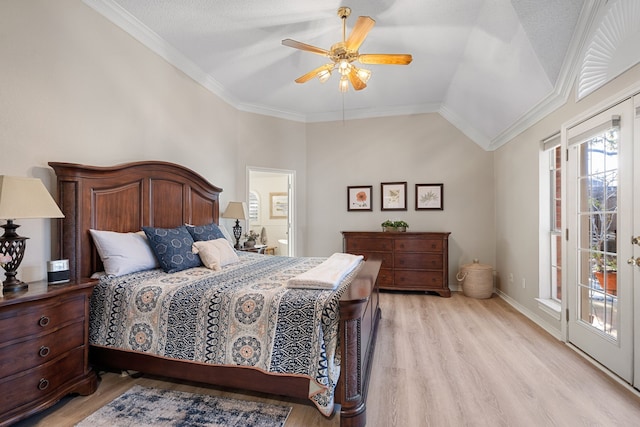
x=43 y=384
x=44 y=321
x=44 y=351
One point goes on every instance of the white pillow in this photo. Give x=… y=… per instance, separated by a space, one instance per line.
x=123 y=253
x=215 y=254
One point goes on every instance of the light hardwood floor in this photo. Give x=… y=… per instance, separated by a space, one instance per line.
x=443 y=362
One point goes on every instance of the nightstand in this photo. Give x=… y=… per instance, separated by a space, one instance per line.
x=268 y=250
x=44 y=347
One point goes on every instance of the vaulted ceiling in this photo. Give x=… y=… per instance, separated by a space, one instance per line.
x=488 y=66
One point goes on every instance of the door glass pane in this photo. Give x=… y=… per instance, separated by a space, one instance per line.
x=597 y=251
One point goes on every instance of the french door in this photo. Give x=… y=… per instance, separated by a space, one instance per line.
x=600 y=226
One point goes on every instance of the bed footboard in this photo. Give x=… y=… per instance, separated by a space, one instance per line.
x=359 y=317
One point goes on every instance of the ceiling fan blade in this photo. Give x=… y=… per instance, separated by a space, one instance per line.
x=314 y=73
x=355 y=80
x=306 y=47
x=364 y=24
x=385 y=58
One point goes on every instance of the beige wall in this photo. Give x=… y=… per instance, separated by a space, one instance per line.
x=76 y=88
x=516 y=188
x=419 y=149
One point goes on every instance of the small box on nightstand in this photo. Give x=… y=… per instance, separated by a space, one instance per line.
x=58 y=271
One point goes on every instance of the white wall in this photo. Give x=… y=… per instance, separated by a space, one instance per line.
x=419 y=149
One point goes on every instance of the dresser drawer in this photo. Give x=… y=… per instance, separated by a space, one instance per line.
x=38 y=350
x=39 y=317
x=385 y=278
x=30 y=386
x=418 y=261
x=407 y=279
x=358 y=244
x=418 y=245
x=385 y=257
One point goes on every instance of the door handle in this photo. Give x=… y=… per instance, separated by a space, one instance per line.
x=632 y=261
x=635 y=240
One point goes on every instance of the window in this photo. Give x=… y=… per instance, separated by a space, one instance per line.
x=555 y=231
x=254 y=208
x=550 y=290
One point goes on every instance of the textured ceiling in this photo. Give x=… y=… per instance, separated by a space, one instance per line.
x=485 y=65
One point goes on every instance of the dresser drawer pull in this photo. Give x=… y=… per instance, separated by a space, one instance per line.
x=44 y=321
x=44 y=351
x=43 y=384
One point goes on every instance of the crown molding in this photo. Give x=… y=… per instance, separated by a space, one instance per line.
x=566 y=79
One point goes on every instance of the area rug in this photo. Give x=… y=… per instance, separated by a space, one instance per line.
x=143 y=406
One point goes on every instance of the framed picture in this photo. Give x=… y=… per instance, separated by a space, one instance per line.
x=279 y=205
x=394 y=196
x=359 y=198
x=429 y=196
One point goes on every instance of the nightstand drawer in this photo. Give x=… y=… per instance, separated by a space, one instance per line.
x=40 y=317
x=30 y=386
x=38 y=350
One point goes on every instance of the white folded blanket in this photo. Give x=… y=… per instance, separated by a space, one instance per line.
x=327 y=275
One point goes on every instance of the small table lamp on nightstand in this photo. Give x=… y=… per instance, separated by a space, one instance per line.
x=237 y=211
x=20 y=198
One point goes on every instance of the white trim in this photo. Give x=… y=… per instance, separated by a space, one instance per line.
x=530 y=315
x=551 y=307
x=565 y=81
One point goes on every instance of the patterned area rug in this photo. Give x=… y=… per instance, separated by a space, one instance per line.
x=142 y=406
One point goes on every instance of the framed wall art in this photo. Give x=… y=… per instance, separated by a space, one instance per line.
x=394 y=196
x=279 y=205
x=429 y=196
x=359 y=198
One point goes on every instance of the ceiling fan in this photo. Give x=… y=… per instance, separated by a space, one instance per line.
x=344 y=53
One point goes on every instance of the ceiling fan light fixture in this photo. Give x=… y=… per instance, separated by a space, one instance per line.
x=344 y=67
x=363 y=74
x=323 y=75
x=344 y=84
x=344 y=53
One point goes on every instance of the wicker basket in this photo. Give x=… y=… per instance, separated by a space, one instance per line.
x=476 y=280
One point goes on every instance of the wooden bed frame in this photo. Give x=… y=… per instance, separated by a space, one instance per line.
x=126 y=197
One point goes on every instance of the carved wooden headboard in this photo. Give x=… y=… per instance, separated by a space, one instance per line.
x=125 y=198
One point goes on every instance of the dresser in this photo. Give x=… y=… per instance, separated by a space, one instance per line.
x=44 y=347
x=411 y=261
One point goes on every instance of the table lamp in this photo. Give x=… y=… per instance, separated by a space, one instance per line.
x=24 y=198
x=237 y=211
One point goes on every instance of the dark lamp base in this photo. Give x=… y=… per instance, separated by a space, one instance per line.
x=14 y=285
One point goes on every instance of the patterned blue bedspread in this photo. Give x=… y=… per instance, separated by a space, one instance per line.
x=242 y=316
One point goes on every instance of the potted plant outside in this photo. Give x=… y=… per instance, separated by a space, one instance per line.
x=606 y=272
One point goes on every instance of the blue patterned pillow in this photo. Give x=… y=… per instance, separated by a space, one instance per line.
x=205 y=232
x=172 y=247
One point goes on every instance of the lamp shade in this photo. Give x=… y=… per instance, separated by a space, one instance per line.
x=235 y=210
x=22 y=197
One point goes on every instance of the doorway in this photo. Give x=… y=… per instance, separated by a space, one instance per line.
x=270 y=199
x=601 y=199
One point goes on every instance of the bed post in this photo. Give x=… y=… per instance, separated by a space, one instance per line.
x=359 y=318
